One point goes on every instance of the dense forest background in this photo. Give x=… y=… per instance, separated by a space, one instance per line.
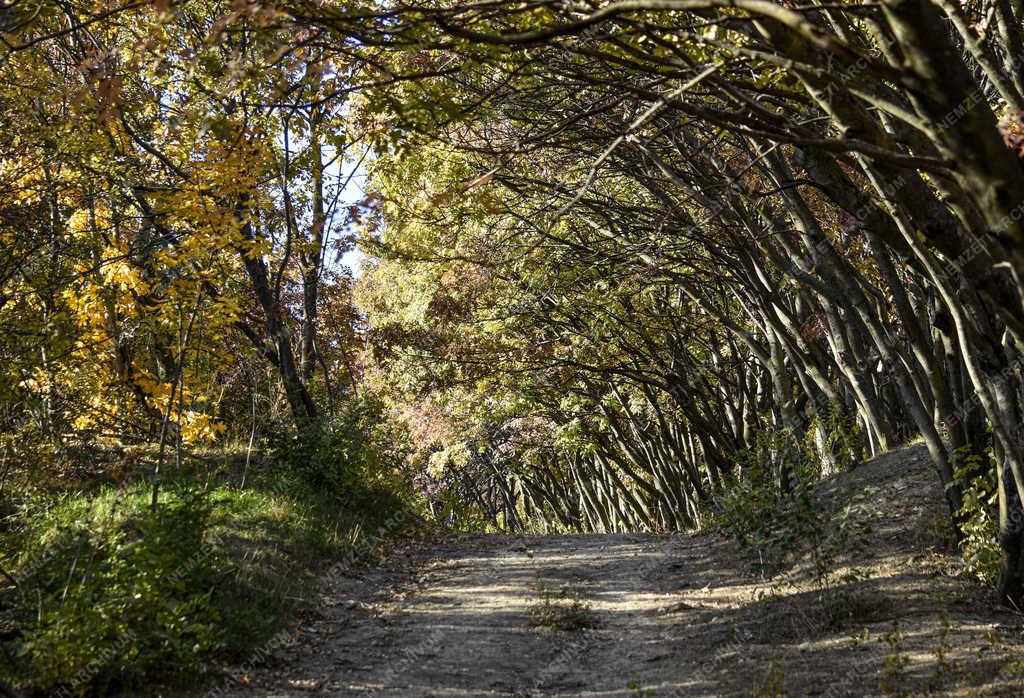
x=632 y=265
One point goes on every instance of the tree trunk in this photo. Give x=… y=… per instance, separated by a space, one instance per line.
x=304 y=412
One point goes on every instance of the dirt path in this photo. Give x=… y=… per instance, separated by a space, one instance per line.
x=672 y=616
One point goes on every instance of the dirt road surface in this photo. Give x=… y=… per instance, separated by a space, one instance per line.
x=657 y=615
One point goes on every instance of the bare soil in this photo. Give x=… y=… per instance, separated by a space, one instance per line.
x=660 y=615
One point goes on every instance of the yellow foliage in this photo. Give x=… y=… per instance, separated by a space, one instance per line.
x=456 y=455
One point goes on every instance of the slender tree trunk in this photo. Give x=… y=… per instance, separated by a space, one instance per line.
x=304 y=412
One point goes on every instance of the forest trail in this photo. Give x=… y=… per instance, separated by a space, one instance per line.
x=677 y=615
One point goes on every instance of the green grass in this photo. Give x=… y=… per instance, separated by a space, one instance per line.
x=112 y=599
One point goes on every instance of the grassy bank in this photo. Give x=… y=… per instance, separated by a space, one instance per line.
x=104 y=596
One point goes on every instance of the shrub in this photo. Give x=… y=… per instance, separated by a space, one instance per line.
x=843 y=437
x=779 y=526
x=756 y=511
x=979 y=524
x=322 y=458
x=344 y=458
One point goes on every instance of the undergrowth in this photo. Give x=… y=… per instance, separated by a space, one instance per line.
x=979 y=521
x=108 y=597
x=779 y=524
